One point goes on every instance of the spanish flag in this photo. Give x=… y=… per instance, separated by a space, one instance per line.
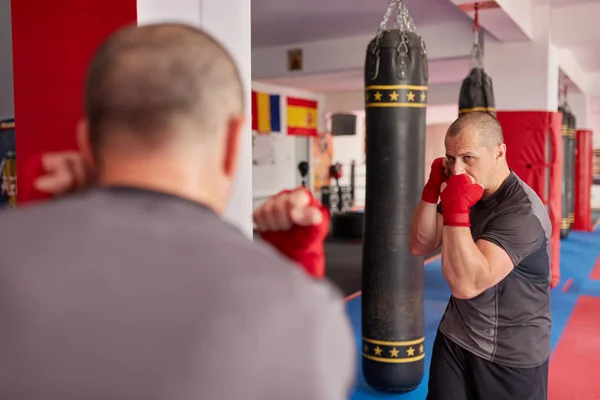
x=266 y=115
x=301 y=117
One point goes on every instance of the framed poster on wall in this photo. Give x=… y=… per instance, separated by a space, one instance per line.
x=322 y=157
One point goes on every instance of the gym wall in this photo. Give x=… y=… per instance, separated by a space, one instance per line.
x=288 y=151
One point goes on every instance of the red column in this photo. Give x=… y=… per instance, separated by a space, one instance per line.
x=53 y=42
x=583 y=181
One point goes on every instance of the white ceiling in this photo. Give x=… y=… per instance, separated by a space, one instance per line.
x=282 y=22
x=287 y=22
x=563 y=3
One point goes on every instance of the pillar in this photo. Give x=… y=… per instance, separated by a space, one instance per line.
x=525 y=74
x=525 y=78
x=580 y=104
x=53 y=42
x=229 y=22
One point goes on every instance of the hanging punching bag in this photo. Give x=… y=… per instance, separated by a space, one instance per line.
x=564 y=222
x=571 y=179
x=392 y=281
x=477 y=91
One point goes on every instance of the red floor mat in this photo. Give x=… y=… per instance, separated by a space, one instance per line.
x=573 y=368
x=595 y=275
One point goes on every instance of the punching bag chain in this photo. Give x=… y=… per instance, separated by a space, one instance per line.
x=403 y=23
x=477 y=51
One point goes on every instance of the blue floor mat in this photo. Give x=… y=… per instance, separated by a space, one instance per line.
x=579 y=253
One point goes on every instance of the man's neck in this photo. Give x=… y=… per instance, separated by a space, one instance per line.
x=162 y=177
x=502 y=176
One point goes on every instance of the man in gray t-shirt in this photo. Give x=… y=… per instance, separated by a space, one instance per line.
x=137 y=289
x=493 y=341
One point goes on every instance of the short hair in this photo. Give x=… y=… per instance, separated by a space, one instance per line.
x=488 y=128
x=143 y=80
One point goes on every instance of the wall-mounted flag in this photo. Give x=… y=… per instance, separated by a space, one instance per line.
x=266 y=113
x=302 y=117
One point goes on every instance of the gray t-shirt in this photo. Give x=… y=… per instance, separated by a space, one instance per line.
x=509 y=323
x=127 y=294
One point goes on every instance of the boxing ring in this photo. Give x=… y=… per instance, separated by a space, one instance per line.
x=576 y=322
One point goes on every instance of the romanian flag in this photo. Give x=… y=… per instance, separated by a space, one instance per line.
x=266 y=115
x=301 y=117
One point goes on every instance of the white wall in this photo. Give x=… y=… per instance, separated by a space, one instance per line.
x=7 y=105
x=594 y=125
x=268 y=180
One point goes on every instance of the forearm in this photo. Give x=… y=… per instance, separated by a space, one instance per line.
x=424 y=236
x=464 y=266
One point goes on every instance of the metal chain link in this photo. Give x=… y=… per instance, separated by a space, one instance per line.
x=404 y=22
x=476 y=53
x=386 y=17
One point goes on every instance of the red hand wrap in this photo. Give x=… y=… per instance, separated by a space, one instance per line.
x=303 y=244
x=458 y=197
x=437 y=176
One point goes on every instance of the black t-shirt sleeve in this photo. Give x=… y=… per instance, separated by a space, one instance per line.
x=516 y=230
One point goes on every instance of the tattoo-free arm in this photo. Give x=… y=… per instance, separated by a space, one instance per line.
x=425 y=229
x=471 y=268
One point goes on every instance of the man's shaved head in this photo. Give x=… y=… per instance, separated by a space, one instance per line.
x=144 y=81
x=489 y=131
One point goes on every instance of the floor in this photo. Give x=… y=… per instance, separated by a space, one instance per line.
x=575 y=310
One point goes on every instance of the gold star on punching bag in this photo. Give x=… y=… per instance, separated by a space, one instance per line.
x=378 y=351
x=423 y=97
x=411 y=96
x=421 y=349
x=378 y=96
x=394 y=96
x=410 y=352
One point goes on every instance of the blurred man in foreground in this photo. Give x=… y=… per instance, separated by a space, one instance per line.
x=136 y=288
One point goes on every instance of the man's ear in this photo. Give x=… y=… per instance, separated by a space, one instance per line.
x=85 y=145
x=233 y=140
x=501 y=151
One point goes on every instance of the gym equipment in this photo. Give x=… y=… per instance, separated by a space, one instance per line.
x=583 y=181
x=396 y=75
x=568 y=133
x=335 y=172
x=336 y=198
x=571 y=180
x=535 y=154
x=477 y=91
x=303 y=169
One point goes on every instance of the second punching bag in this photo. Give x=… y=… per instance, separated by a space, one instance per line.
x=564 y=222
x=477 y=90
x=571 y=177
x=392 y=281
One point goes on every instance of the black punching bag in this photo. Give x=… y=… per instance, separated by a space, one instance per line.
x=392 y=280
x=571 y=177
x=564 y=222
x=477 y=91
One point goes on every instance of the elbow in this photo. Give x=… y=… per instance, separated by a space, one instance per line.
x=464 y=291
x=460 y=288
x=416 y=248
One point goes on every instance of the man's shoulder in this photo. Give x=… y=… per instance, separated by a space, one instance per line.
x=523 y=206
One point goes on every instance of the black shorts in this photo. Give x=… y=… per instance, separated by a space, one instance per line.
x=456 y=374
